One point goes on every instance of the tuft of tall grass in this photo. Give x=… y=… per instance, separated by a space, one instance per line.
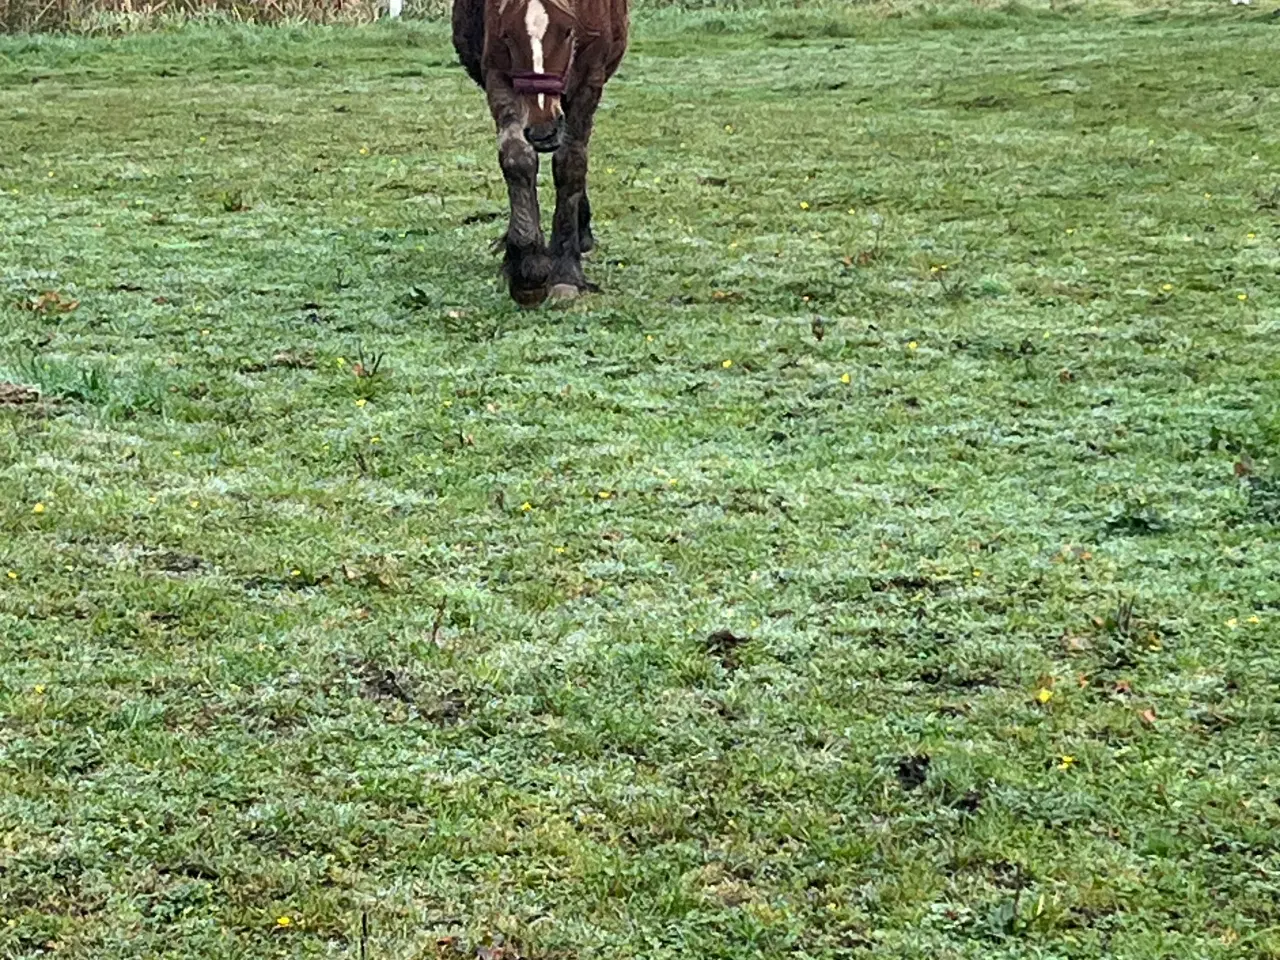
x=788 y=18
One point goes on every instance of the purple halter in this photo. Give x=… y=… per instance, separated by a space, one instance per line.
x=537 y=83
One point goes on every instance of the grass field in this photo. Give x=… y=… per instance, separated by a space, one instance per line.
x=937 y=363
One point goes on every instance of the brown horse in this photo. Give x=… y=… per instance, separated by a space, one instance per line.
x=543 y=65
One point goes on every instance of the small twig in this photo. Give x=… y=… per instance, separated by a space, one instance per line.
x=435 y=627
x=364 y=935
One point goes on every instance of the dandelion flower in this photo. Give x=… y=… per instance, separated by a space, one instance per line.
x=727 y=364
x=194 y=504
x=39 y=689
x=1070 y=231
x=1208 y=196
x=526 y=506
x=13 y=575
x=341 y=361
x=672 y=482
x=295 y=572
x=1166 y=287
x=728 y=128
x=1232 y=622
x=608 y=169
x=1253 y=619
x=1242 y=296
x=1250 y=236
x=286 y=921
x=604 y=494
x=361 y=402
x=912 y=345
x=1045 y=695
x=845 y=378
x=1066 y=762
x=364 y=151
x=804 y=204
x=559 y=549
x=38 y=508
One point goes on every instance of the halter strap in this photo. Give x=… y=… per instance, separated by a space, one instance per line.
x=537 y=83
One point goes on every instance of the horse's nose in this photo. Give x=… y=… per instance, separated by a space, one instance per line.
x=545 y=137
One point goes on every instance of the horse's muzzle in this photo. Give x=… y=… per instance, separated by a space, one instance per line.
x=545 y=137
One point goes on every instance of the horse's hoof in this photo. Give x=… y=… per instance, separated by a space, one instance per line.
x=529 y=296
x=563 y=292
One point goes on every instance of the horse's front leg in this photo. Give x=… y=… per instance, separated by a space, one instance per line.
x=526 y=265
x=570 y=229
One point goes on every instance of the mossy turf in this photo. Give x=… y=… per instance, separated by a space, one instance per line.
x=885 y=564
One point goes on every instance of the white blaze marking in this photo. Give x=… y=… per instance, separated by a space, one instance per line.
x=535 y=21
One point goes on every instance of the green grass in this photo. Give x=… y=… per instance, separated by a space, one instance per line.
x=286 y=641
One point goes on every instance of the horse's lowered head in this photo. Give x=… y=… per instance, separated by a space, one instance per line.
x=533 y=45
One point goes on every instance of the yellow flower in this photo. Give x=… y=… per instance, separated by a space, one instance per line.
x=341 y=361
x=39 y=689
x=361 y=402
x=1232 y=622
x=1242 y=296
x=13 y=575
x=727 y=364
x=1066 y=762
x=1166 y=287
x=364 y=151
x=286 y=921
x=295 y=573
x=526 y=506
x=852 y=211
x=804 y=204
x=604 y=494
x=204 y=332
x=194 y=504
x=728 y=128
x=672 y=482
x=845 y=378
x=1045 y=695
x=1208 y=196
x=375 y=439
x=559 y=549
x=1070 y=231
x=38 y=508
x=912 y=345
x=608 y=169
x=1253 y=619
x=51 y=173
x=648 y=338
x=1250 y=236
